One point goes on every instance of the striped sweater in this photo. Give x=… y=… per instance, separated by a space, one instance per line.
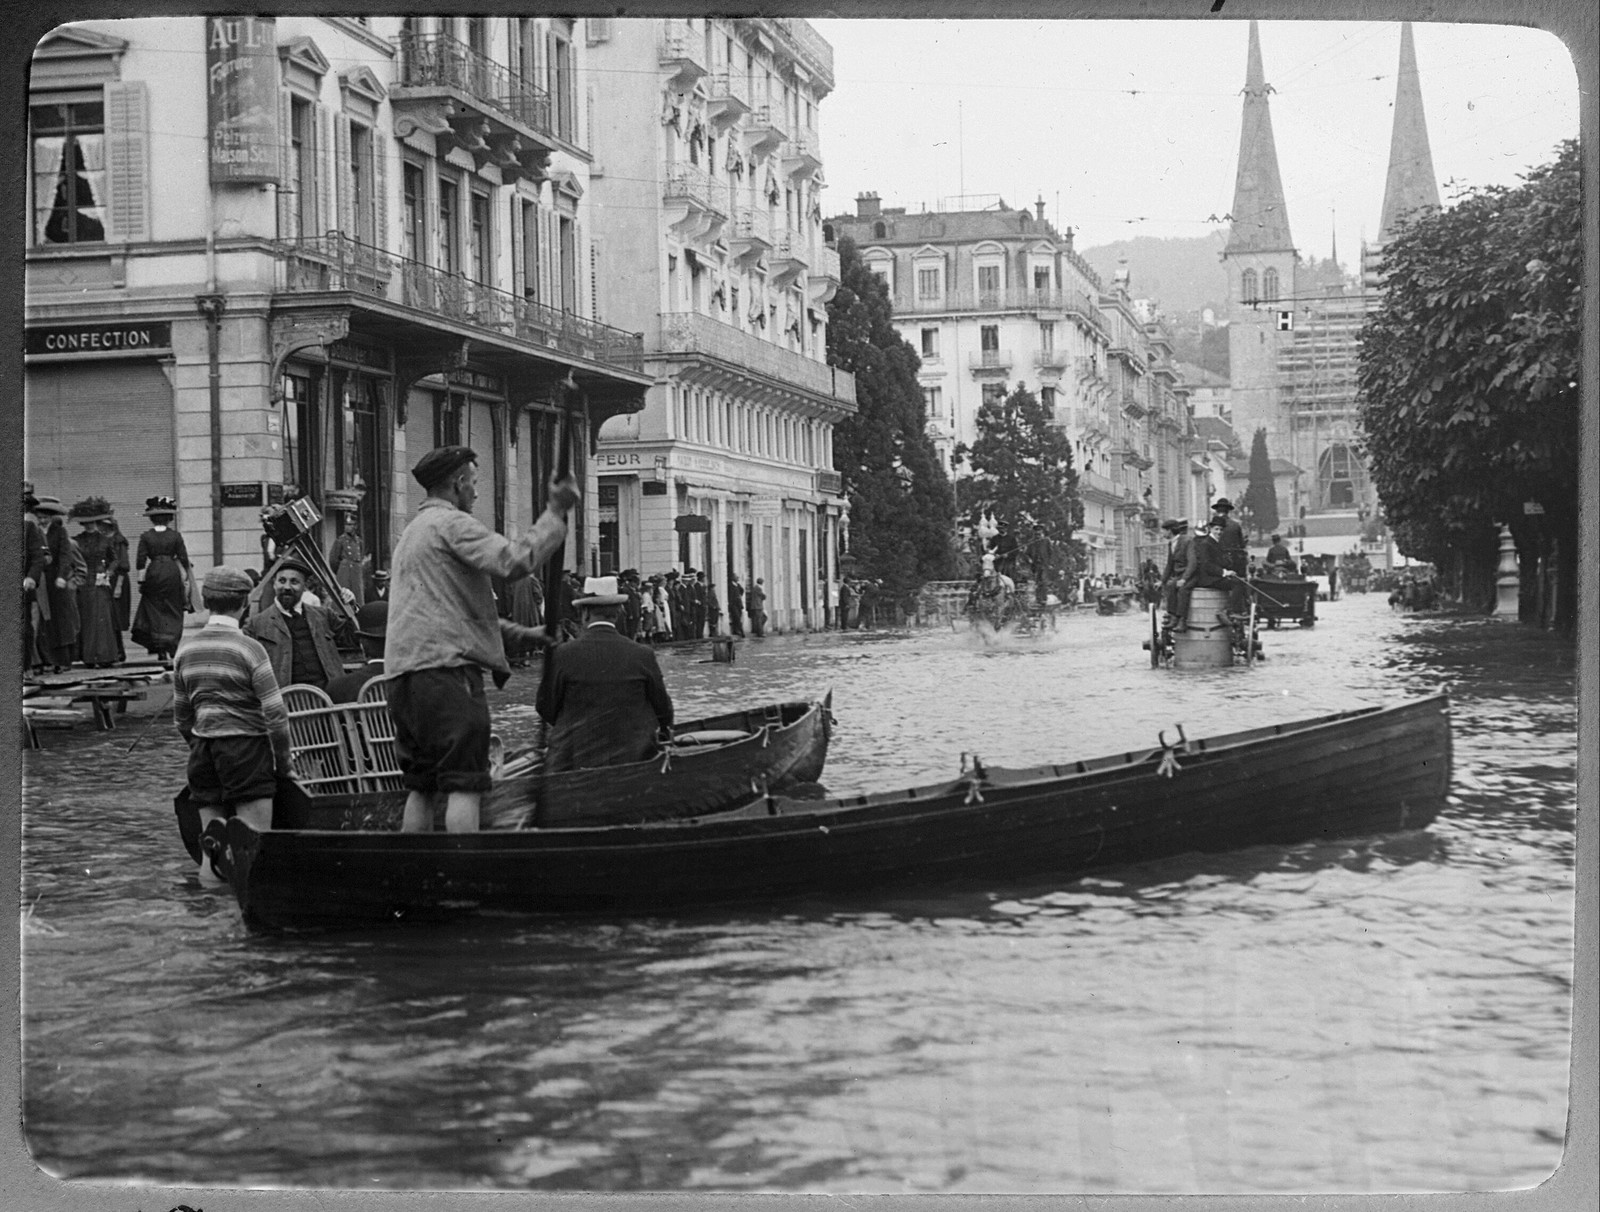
x=222 y=685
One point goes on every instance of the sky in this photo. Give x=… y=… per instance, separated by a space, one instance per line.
x=1129 y=128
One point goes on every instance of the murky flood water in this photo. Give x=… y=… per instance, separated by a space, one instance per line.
x=1382 y=1014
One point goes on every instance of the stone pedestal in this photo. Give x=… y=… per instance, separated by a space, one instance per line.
x=1508 y=581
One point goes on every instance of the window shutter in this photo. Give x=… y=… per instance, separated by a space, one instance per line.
x=583 y=301
x=326 y=219
x=514 y=225
x=380 y=189
x=549 y=267
x=286 y=200
x=344 y=185
x=128 y=158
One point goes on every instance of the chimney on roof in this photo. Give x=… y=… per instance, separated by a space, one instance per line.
x=1038 y=207
x=866 y=206
x=1067 y=236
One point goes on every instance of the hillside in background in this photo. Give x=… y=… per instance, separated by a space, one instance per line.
x=1181 y=275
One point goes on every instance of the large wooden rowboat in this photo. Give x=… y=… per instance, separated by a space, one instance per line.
x=712 y=764
x=1353 y=773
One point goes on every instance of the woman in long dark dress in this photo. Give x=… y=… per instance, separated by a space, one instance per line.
x=164 y=587
x=97 y=628
x=121 y=583
x=58 y=639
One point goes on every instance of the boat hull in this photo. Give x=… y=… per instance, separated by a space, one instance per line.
x=786 y=744
x=1356 y=773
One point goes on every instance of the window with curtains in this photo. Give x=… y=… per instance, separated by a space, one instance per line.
x=529 y=219
x=361 y=183
x=302 y=165
x=69 y=171
x=563 y=82
x=482 y=243
x=449 y=226
x=569 y=264
x=413 y=213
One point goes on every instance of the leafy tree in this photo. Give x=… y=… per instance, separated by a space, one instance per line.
x=1022 y=473
x=1469 y=379
x=902 y=509
x=1260 y=502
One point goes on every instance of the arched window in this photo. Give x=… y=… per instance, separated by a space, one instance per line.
x=1247 y=286
x=880 y=230
x=1269 y=286
x=1340 y=477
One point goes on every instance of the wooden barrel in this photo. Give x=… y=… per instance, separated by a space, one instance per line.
x=1208 y=643
x=722 y=649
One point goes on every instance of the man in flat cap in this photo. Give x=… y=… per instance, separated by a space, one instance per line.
x=302 y=639
x=227 y=705
x=444 y=631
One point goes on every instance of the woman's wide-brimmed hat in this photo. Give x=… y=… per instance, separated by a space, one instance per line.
x=600 y=591
x=50 y=505
x=91 y=509
x=159 y=506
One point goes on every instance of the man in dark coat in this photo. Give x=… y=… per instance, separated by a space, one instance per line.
x=735 y=604
x=1179 y=540
x=678 y=602
x=1279 y=558
x=34 y=554
x=713 y=608
x=372 y=626
x=696 y=587
x=1207 y=569
x=301 y=640
x=1235 y=552
x=602 y=694
x=758 y=609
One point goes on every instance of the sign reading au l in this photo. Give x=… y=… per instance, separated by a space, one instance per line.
x=242 y=98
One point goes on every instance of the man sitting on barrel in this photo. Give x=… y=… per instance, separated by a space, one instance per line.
x=1206 y=569
x=602 y=694
x=1179 y=540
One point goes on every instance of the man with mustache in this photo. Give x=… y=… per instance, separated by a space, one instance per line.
x=301 y=640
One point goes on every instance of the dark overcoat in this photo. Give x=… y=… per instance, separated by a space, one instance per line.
x=604 y=699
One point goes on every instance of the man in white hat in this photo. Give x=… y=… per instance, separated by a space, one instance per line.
x=602 y=694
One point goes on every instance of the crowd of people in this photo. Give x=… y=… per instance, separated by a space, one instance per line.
x=77 y=588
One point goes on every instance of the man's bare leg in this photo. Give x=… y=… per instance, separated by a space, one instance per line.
x=419 y=813
x=461 y=812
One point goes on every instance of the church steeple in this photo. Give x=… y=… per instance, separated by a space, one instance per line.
x=1410 y=184
x=1260 y=219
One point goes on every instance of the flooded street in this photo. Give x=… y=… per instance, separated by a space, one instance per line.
x=1381 y=1014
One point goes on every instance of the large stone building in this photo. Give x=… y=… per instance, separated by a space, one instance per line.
x=994 y=299
x=280 y=257
x=1294 y=337
x=707 y=184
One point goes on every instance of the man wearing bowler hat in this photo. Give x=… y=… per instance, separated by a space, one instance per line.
x=372 y=623
x=602 y=694
x=1235 y=552
x=444 y=631
x=301 y=639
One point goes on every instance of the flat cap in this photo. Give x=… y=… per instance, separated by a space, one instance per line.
x=441 y=463
x=223 y=579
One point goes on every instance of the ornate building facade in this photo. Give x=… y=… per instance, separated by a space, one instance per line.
x=281 y=257
x=707 y=182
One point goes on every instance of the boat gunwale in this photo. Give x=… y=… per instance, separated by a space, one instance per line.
x=846 y=812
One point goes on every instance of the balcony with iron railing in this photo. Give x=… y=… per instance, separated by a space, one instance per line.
x=727 y=100
x=1052 y=359
x=802 y=157
x=989 y=361
x=682 y=52
x=750 y=234
x=1134 y=406
x=1013 y=298
x=1102 y=486
x=823 y=277
x=815 y=53
x=697 y=205
x=687 y=332
x=764 y=131
x=336 y=264
x=789 y=259
x=1129 y=355
x=465 y=99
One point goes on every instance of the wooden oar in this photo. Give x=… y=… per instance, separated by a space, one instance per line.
x=552 y=580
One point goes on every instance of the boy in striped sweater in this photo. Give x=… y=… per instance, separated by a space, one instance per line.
x=226 y=704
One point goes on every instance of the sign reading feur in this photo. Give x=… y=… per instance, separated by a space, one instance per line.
x=242 y=98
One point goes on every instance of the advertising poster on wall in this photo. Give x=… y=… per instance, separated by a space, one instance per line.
x=242 y=99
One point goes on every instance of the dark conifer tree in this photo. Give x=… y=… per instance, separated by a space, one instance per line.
x=902 y=508
x=1260 y=504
